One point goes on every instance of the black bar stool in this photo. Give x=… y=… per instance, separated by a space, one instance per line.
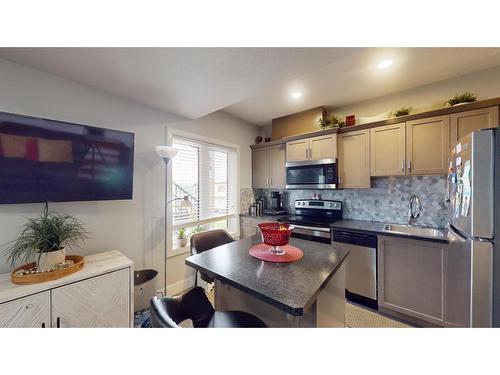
x=204 y=241
x=168 y=312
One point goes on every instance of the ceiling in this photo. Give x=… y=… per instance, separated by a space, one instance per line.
x=253 y=84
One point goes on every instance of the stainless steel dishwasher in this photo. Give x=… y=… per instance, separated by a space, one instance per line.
x=361 y=266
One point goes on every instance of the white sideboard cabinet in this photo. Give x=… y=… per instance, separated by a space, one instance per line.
x=99 y=295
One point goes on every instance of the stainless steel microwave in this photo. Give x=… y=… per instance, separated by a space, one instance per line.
x=311 y=174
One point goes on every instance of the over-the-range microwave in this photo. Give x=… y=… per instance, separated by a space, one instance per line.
x=311 y=174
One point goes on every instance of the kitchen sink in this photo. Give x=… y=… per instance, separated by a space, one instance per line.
x=414 y=231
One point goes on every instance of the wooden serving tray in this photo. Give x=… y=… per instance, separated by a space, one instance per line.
x=36 y=278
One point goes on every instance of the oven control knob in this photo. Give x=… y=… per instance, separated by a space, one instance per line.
x=330 y=204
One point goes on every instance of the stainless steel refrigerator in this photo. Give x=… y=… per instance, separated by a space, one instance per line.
x=472 y=295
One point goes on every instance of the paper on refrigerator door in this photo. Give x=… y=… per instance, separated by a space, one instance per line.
x=466 y=194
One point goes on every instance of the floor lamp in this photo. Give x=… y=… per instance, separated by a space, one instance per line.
x=167 y=153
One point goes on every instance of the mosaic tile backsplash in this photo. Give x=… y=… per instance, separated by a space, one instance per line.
x=386 y=201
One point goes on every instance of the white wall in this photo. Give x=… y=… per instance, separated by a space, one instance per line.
x=134 y=227
x=485 y=84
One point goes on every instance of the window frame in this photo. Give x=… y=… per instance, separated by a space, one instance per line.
x=171 y=133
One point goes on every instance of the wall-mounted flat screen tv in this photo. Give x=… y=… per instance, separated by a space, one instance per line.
x=53 y=161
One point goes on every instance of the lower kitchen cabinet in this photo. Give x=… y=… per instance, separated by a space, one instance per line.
x=99 y=295
x=411 y=276
x=248 y=226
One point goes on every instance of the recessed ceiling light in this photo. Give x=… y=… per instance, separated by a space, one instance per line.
x=296 y=94
x=384 y=64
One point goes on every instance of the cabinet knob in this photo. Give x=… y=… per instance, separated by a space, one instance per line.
x=28 y=306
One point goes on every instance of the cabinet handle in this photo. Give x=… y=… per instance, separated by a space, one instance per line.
x=58 y=322
x=402 y=165
x=43 y=325
x=270 y=181
x=409 y=165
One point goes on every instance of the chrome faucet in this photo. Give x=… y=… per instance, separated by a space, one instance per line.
x=414 y=208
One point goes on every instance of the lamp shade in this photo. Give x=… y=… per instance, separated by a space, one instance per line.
x=186 y=203
x=166 y=152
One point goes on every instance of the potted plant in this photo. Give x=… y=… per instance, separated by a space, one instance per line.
x=182 y=237
x=403 y=111
x=44 y=240
x=466 y=97
x=324 y=123
x=197 y=229
x=337 y=122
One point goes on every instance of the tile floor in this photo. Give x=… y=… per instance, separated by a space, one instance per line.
x=358 y=317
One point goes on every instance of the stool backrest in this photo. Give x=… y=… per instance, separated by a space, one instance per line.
x=204 y=241
x=168 y=312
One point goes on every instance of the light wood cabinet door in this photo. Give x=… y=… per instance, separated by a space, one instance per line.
x=247 y=231
x=464 y=123
x=427 y=145
x=260 y=168
x=323 y=147
x=27 y=312
x=101 y=301
x=297 y=150
x=277 y=160
x=387 y=149
x=354 y=159
x=411 y=276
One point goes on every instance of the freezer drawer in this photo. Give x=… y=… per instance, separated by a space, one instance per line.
x=469 y=282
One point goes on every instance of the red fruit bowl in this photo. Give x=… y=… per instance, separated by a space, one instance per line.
x=275 y=235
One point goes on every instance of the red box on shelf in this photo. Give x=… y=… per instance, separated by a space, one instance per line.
x=350 y=120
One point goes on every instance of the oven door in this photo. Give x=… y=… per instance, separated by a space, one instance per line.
x=311 y=233
x=311 y=174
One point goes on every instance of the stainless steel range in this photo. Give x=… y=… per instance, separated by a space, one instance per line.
x=313 y=217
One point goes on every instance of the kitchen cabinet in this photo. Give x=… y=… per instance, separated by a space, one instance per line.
x=427 y=145
x=411 y=276
x=248 y=226
x=463 y=123
x=268 y=167
x=387 y=150
x=30 y=312
x=99 y=295
x=313 y=148
x=354 y=159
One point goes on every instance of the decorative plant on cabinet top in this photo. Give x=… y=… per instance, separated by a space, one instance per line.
x=45 y=238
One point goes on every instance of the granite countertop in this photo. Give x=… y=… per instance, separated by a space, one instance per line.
x=291 y=287
x=265 y=217
x=376 y=227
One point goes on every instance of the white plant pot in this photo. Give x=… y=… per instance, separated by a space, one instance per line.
x=49 y=260
x=182 y=242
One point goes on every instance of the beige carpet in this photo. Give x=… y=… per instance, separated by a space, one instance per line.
x=357 y=317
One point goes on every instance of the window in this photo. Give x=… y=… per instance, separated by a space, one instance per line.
x=206 y=173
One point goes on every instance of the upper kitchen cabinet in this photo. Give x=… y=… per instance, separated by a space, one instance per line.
x=354 y=159
x=297 y=150
x=314 y=148
x=277 y=160
x=387 y=149
x=463 y=123
x=323 y=147
x=260 y=168
x=268 y=167
x=427 y=144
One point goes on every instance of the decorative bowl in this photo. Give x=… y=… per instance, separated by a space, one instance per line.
x=276 y=235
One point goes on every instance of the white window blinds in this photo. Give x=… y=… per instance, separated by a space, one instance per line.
x=206 y=173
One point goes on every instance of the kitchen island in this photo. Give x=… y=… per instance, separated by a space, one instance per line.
x=306 y=293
